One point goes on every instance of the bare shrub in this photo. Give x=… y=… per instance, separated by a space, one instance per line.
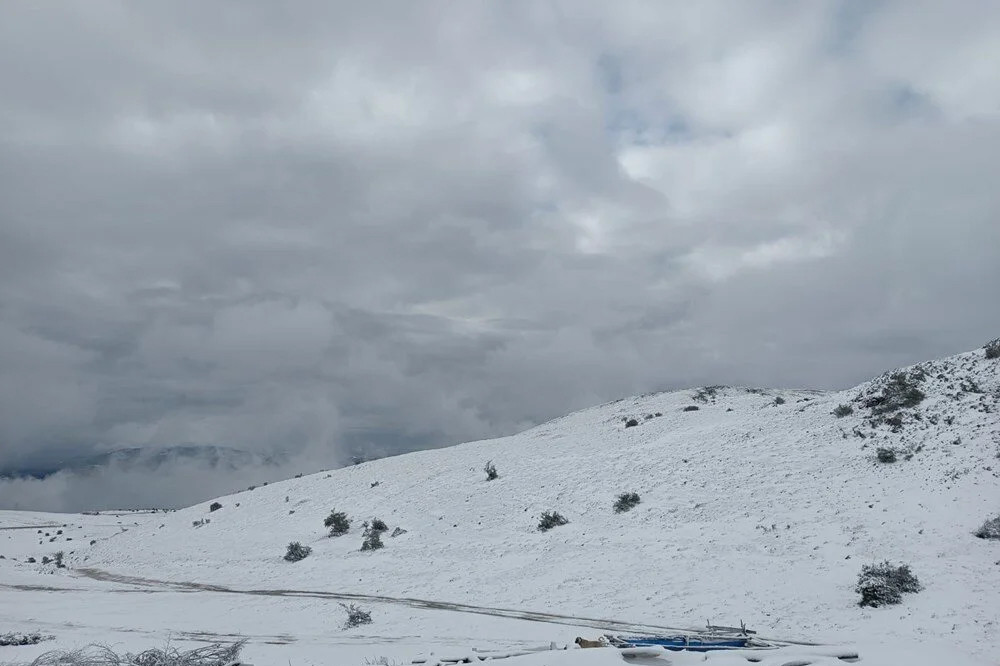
x=491 y=471
x=101 y=655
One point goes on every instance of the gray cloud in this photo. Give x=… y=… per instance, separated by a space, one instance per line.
x=387 y=226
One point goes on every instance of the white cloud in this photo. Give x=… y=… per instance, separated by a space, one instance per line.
x=378 y=225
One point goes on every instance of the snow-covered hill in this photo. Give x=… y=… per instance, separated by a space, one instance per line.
x=750 y=509
x=760 y=505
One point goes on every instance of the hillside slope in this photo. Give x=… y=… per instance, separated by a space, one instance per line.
x=750 y=509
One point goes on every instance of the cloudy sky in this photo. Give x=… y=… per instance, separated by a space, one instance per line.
x=323 y=228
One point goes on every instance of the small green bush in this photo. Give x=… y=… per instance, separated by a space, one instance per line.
x=338 y=523
x=373 y=541
x=296 y=552
x=551 y=519
x=626 y=502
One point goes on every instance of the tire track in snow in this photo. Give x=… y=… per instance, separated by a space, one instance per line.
x=426 y=604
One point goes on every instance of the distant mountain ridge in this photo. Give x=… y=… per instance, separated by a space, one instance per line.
x=146 y=459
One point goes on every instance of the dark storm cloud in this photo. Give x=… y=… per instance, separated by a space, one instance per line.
x=393 y=225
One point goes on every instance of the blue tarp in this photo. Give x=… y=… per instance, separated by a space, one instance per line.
x=692 y=643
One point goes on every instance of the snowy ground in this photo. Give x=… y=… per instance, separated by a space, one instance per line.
x=752 y=509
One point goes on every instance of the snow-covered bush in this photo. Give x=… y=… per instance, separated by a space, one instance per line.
x=626 y=501
x=378 y=525
x=296 y=551
x=841 y=411
x=992 y=348
x=885 y=455
x=338 y=523
x=551 y=519
x=631 y=423
x=899 y=391
x=779 y=401
x=990 y=529
x=884 y=584
x=691 y=408
x=17 y=638
x=491 y=471
x=214 y=506
x=356 y=616
x=373 y=541
x=707 y=393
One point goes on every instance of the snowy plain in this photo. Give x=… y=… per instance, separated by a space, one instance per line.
x=760 y=506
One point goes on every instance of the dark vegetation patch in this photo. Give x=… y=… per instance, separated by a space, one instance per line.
x=551 y=519
x=297 y=552
x=626 y=502
x=884 y=584
x=989 y=529
x=338 y=523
